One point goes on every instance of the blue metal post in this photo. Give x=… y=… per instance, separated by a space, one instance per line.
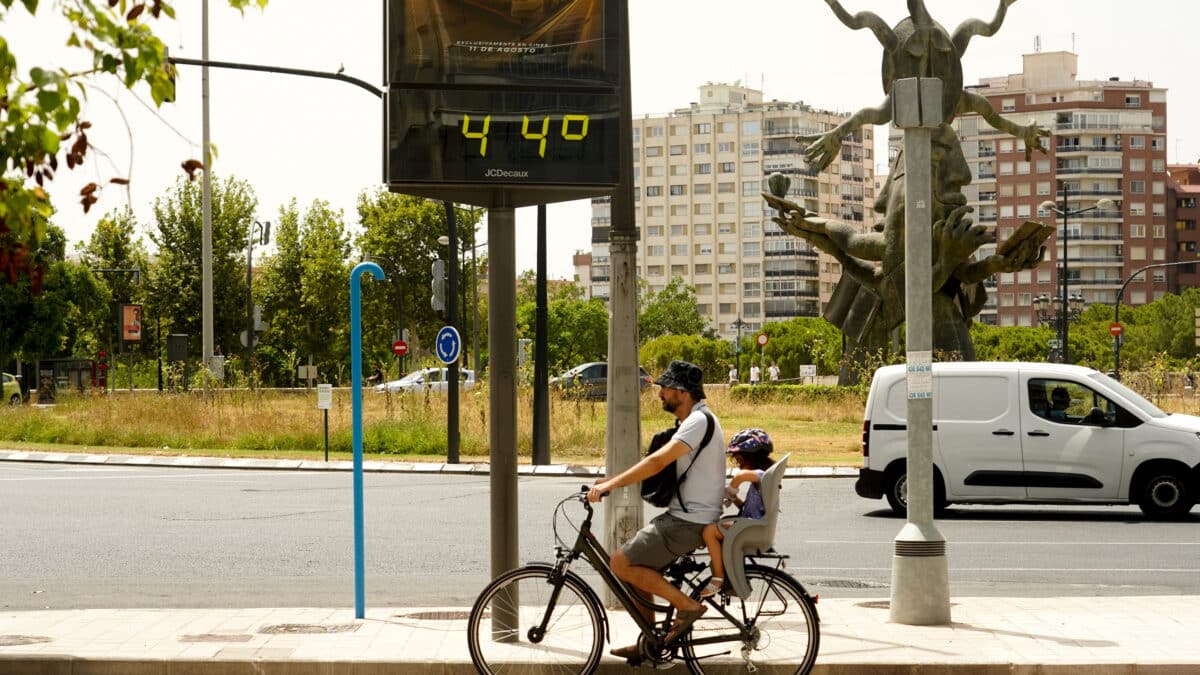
x=356 y=406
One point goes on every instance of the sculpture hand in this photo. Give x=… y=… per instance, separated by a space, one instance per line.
x=821 y=149
x=1033 y=134
x=793 y=218
x=1027 y=255
x=957 y=236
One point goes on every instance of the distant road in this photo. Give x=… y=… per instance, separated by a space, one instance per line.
x=83 y=536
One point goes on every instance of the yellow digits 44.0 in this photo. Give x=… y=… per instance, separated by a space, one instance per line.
x=537 y=137
x=481 y=135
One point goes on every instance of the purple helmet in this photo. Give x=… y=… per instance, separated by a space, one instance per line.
x=751 y=442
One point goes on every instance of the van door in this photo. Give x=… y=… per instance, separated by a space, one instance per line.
x=978 y=435
x=1068 y=451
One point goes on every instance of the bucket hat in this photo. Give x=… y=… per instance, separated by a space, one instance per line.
x=684 y=376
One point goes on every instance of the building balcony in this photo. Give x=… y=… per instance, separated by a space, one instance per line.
x=1086 y=148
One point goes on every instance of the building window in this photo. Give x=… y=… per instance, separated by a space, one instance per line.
x=1158 y=187
x=704 y=128
x=702 y=188
x=654 y=131
x=701 y=148
x=1137 y=187
x=726 y=228
x=726 y=128
x=1137 y=231
x=1137 y=208
x=750 y=128
x=678 y=190
x=656 y=250
x=1006 y=168
x=727 y=208
x=1159 y=166
x=751 y=289
x=655 y=270
x=1043 y=166
x=654 y=211
x=751 y=248
x=653 y=190
x=702 y=209
x=654 y=231
x=702 y=229
x=751 y=271
x=727 y=268
x=1008 y=105
x=1043 y=188
x=726 y=188
x=725 y=147
x=1160 y=254
x=727 y=167
x=703 y=249
x=727 y=248
x=677 y=150
x=704 y=269
x=1137 y=142
x=679 y=250
x=1160 y=231
x=702 y=169
x=654 y=151
x=1137 y=252
x=678 y=130
x=1137 y=164
x=1158 y=143
x=751 y=209
x=1159 y=209
x=1133 y=101
x=750 y=149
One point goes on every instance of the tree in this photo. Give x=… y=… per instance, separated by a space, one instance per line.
x=41 y=113
x=671 y=311
x=711 y=354
x=174 y=284
x=115 y=245
x=577 y=330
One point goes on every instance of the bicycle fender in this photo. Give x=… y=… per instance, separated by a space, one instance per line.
x=789 y=579
x=585 y=587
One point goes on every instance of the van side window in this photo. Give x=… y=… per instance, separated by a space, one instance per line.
x=1067 y=402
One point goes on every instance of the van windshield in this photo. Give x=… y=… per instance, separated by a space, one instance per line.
x=1134 y=398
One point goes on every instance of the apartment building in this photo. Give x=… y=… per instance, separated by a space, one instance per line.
x=698 y=175
x=1109 y=140
x=1183 y=210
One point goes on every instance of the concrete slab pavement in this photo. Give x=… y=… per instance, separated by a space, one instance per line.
x=989 y=636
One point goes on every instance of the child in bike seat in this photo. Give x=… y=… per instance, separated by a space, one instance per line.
x=751 y=450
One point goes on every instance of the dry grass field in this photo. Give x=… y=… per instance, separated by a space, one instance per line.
x=265 y=423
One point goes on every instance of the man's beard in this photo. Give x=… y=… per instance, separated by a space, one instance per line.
x=669 y=406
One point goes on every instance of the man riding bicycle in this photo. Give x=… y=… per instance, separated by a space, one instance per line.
x=640 y=561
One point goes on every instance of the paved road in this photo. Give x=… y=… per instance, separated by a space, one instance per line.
x=86 y=537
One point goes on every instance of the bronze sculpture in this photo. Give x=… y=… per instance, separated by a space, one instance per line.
x=868 y=303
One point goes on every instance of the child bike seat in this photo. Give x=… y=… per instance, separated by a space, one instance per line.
x=753 y=536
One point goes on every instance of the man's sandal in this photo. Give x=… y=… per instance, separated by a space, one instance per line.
x=684 y=620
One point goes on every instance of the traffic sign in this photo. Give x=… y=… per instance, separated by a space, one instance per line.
x=762 y=339
x=1115 y=329
x=399 y=347
x=448 y=344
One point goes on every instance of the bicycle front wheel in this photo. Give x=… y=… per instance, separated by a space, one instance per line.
x=514 y=628
x=784 y=633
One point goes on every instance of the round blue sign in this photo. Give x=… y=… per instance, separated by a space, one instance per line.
x=448 y=344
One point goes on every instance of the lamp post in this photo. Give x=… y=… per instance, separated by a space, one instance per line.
x=1117 y=339
x=264 y=237
x=1066 y=212
x=1049 y=312
x=737 y=346
x=396 y=271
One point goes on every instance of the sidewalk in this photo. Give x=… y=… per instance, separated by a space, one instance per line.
x=1026 y=636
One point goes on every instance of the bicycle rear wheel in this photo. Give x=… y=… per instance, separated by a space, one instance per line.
x=786 y=634
x=502 y=630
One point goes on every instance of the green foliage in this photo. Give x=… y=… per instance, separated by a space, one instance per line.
x=578 y=331
x=671 y=311
x=800 y=393
x=1014 y=343
x=712 y=355
x=174 y=283
x=793 y=343
x=41 y=120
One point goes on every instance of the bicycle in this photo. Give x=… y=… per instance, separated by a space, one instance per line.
x=546 y=615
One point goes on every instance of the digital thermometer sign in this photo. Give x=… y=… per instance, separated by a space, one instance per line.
x=512 y=94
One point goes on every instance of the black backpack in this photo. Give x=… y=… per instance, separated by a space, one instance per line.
x=662 y=486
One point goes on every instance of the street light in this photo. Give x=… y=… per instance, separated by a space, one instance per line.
x=737 y=346
x=264 y=237
x=1048 y=311
x=1118 y=339
x=394 y=269
x=1066 y=212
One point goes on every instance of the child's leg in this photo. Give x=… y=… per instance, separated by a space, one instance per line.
x=712 y=539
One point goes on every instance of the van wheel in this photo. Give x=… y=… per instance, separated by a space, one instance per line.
x=1165 y=494
x=897 y=491
x=896 y=484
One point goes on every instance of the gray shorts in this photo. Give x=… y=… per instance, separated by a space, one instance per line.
x=663 y=541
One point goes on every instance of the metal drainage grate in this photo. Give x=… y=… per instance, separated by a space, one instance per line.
x=309 y=628
x=847 y=583
x=452 y=615
x=20 y=640
x=217 y=637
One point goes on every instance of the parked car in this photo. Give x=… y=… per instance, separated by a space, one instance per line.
x=431 y=379
x=1033 y=433
x=12 y=389
x=590 y=380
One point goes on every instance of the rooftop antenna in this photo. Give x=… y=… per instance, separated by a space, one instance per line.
x=1037 y=44
x=1072 y=42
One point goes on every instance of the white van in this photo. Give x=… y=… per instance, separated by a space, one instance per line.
x=1033 y=433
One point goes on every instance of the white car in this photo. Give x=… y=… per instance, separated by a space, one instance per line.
x=428 y=379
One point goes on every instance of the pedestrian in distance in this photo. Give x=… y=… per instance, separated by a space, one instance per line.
x=754 y=374
x=733 y=375
x=773 y=372
x=641 y=560
x=751 y=450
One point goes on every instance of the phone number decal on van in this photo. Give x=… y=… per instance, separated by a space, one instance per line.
x=919 y=374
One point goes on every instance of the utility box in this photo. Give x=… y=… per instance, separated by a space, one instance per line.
x=177 y=347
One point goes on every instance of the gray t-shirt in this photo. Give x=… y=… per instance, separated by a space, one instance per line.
x=704 y=488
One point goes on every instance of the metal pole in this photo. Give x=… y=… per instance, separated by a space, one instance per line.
x=206 y=252
x=1063 y=311
x=356 y=426
x=623 y=513
x=399 y=320
x=249 y=299
x=541 y=369
x=475 y=308
x=920 y=576
x=502 y=390
x=452 y=319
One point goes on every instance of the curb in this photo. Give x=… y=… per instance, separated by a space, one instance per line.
x=479 y=468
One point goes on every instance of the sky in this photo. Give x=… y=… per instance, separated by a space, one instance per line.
x=307 y=139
